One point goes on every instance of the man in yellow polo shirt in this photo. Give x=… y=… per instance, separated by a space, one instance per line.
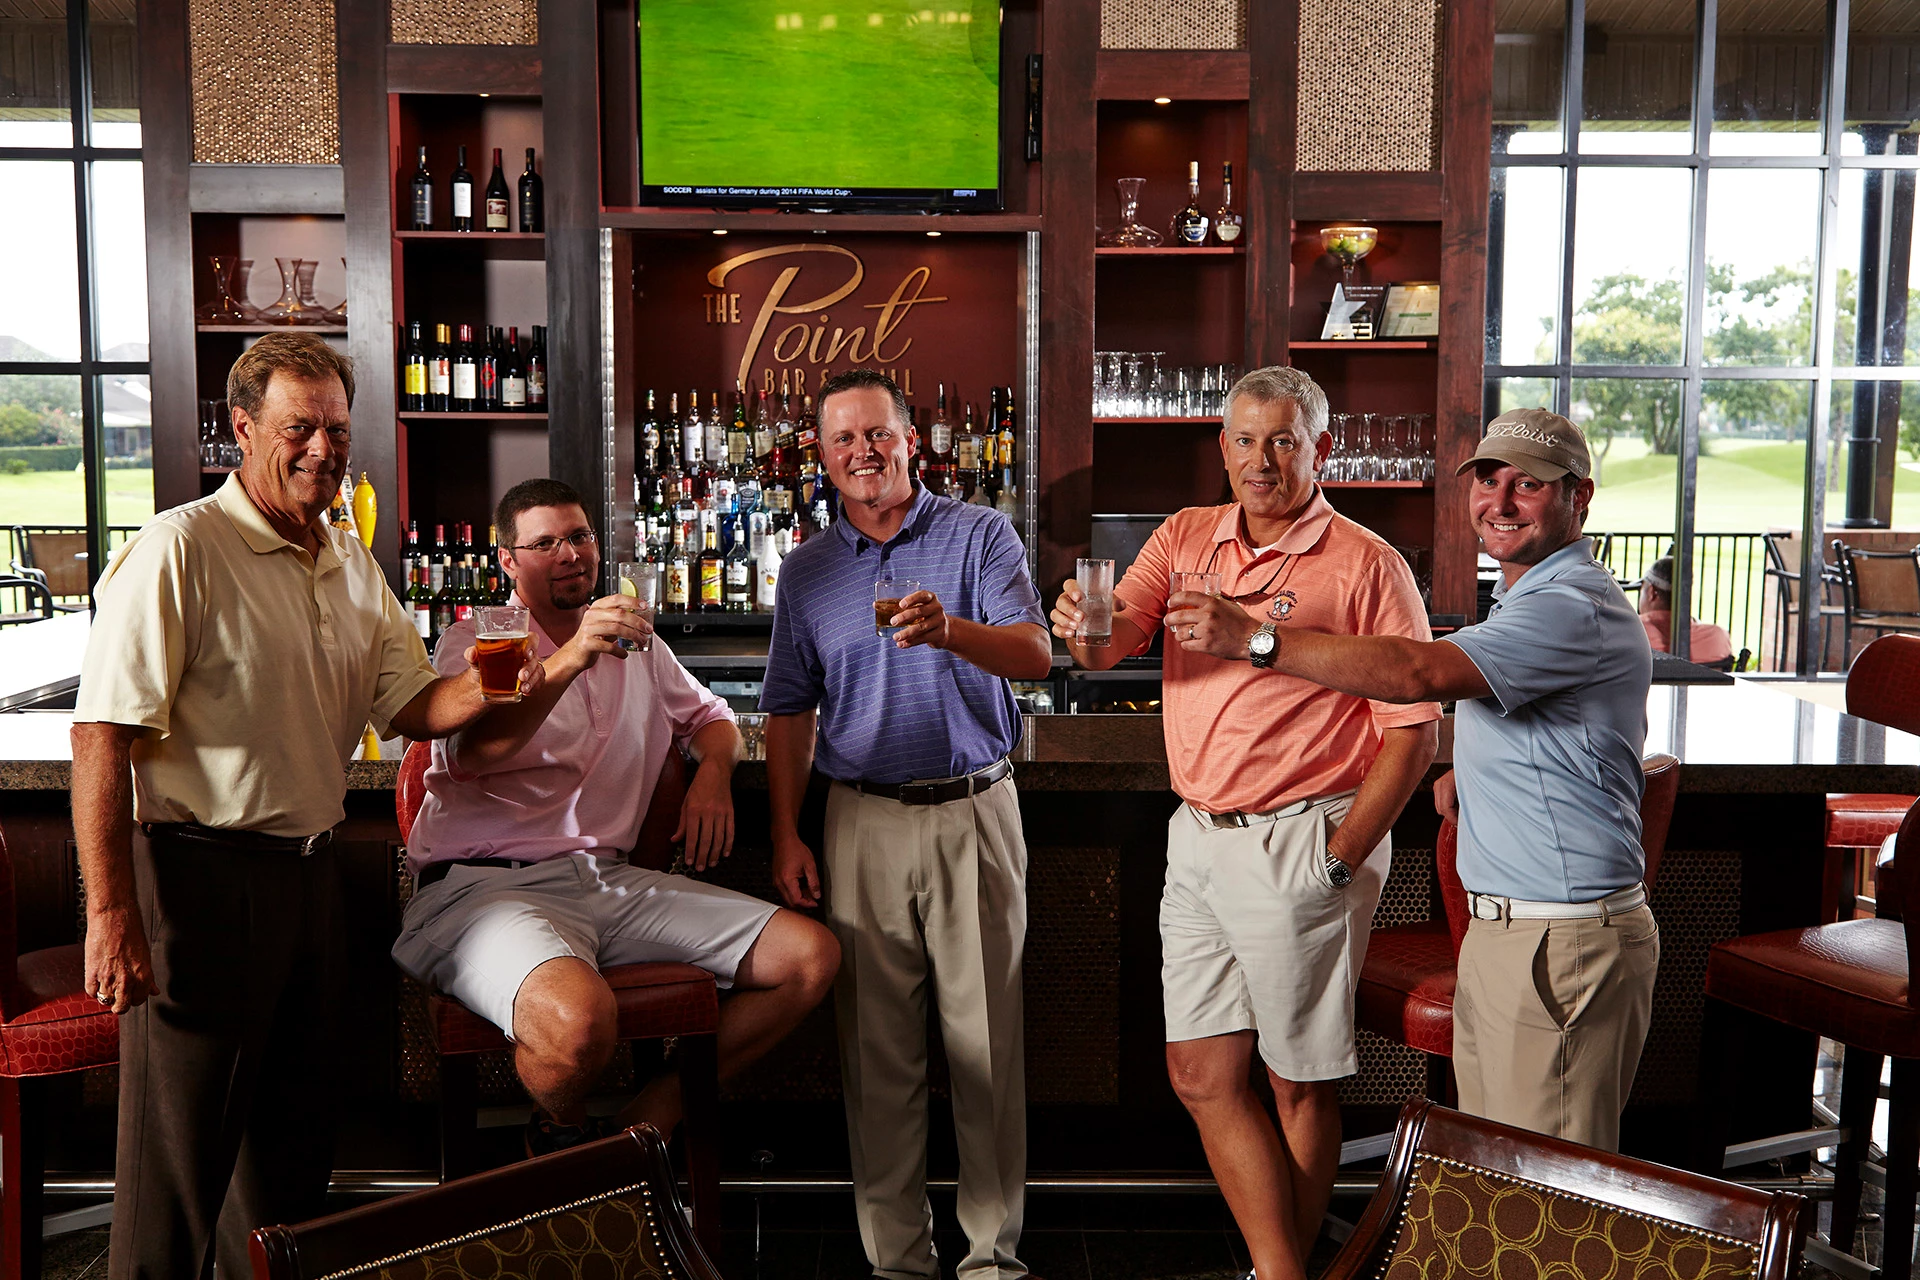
x=1276 y=860
x=240 y=646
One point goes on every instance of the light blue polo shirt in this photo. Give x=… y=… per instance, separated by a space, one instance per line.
x=1548 y=767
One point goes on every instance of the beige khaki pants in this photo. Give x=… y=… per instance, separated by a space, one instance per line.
x=931 y=898
x=1549 y=1017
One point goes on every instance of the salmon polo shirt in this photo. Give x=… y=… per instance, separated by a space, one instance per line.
x=1240 y=738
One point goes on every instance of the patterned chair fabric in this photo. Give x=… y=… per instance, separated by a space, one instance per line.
x=614 y=1235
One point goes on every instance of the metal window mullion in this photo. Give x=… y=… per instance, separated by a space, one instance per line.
x=93 y=465
x=1693 y=350
x=1572 y=104
x=1826 y=311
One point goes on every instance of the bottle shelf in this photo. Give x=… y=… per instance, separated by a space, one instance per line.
x=1376 y=484
x=1174 y=251
x=520 y=246
x=1171 y=422
x=482 y=415
x=270 y=328
x=1369 y=344
x=685 y=622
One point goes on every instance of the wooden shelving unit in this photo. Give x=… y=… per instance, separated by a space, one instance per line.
x=270 y=328
x=531 y=419
x=1172 y=251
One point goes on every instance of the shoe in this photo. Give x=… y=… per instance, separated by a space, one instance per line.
x=544 y=1137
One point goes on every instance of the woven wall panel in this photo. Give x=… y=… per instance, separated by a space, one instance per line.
x=1173 y=24
x=1369 y=87
x=466 y=22
x=263 y=82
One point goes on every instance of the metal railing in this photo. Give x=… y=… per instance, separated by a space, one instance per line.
x=1729 y=576
x=117 y=536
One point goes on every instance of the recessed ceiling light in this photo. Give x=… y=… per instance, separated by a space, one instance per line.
x=1161 y=102
x=719 y=231
x=933 y=233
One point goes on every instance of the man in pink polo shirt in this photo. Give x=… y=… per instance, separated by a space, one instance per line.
x=1277 y=857
x=523 y=891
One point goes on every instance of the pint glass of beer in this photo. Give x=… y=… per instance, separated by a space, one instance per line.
x=504 y=644
x=887 y=595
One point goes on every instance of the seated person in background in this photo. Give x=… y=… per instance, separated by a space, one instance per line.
x=1710 y=643
x=519 y=853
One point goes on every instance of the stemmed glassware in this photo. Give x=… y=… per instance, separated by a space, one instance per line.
x=1380 y=446
x=287 y=307
x=1346 y=245
x=338 y=315
x=224 y=308
x=1131 y=233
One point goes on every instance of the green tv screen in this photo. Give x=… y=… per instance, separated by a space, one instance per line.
x=836 y=104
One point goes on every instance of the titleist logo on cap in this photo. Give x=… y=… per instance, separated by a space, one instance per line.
x=1523 y=431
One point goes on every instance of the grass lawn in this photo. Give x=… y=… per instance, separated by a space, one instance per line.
x=56 y=497
x=892 y=95
x=1745 y=486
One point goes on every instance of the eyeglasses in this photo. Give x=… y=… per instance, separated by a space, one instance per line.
x=548 y=546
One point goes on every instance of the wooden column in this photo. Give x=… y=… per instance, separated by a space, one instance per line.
x=570 y=93
x=1273 y=92
x=1070 y=44
x=166 y=130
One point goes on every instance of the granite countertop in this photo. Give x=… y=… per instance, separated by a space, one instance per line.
x=1736 y=738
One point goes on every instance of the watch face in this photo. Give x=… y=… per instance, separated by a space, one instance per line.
x=1262 y=642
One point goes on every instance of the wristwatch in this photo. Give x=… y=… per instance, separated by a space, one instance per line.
x=1262 y=645
x=1339 y=872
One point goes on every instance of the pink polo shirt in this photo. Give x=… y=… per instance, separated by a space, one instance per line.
x=1239 y=738
x=612 y=726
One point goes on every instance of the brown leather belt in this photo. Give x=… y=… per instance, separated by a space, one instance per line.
x=233 y=838
x=434 y=872
x=937 y=792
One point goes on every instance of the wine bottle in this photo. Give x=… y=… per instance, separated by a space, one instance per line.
x=1228 y=222
x=420 y=602
x=499 y=200
x=537 y=370
x=462 y=202
x=533 y=201
x=1190 y=225
x=940 y=431
x=414 y=382
x=466 y=374
x=489 y=362
x=513 y=374
x=440 y=371
x=422 y=195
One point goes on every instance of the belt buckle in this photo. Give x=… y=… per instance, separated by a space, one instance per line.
x=1502 y=907
x=1226 y=821
x=921 y=791
x=315 y=842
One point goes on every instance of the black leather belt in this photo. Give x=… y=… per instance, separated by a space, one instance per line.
x=937 y=792
x=434 y=872
x=232 y=838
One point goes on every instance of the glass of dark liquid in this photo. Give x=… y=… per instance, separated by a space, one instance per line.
x=887 y=595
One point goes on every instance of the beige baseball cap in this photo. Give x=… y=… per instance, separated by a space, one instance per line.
x=1538 y=441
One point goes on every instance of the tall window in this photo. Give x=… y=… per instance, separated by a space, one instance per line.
x=1702 y=230
x=76 y=436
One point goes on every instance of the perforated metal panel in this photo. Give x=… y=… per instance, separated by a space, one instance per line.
x=1173 y=24
x=1369 y=86
x=466 y=22
x=1391 y=1073
x=263 y=82
x=1696 y=901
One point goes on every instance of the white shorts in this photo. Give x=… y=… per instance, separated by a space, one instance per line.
x=1255 y=937
x=477 y=933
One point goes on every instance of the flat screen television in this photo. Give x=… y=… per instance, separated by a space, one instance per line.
x=826 y=104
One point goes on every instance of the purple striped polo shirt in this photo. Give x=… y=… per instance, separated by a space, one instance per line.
x=891 y=715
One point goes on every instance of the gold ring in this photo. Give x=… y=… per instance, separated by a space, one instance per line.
x=103 y=997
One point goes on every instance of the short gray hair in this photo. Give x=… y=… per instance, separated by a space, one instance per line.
x=1277 y=383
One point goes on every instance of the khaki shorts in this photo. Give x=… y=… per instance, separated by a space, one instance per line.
x=1255 y=937
x=477 y=933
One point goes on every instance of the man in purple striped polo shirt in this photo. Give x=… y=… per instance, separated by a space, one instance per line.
x=925 y=861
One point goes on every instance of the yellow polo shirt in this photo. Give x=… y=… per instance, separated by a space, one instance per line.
x=251 y=666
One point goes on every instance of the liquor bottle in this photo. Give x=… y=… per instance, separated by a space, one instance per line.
x=462 y=202
x=671 y=465
x=713 y=440
x=537 y=370
x=763 y=436
x=420 y=195
x=1008 y=501
x=414 y=381
x=1228 y=222
x=442 y=602
x=737 y=584
x=513 y=374
x=533 y=201
x=650 y=439
x=466 y=374
x=686 y=508
x=775 y=542
x=693 y=436
x=1189 y=227
x=966 y=455
x=1006 y=443
x=739 y=436
x=679 y=573
x=440 y=371
x=420 y=602
x=489 y=362
x=712 y=570
x=499 y=208
x=940 y=432
x=785 y=439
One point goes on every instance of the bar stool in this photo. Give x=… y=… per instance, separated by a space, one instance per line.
x=652 y=1002
x=1407 y=981
x=1851 y=981
x=1883 y=686
x=49 y=1026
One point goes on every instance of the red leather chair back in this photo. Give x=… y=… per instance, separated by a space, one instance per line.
x=654 y=849
x=1883 y=684
x=1656 y=808
x=1453 y=894
x=1904 y=873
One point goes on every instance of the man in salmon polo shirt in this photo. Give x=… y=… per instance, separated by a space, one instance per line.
x=1278 y=855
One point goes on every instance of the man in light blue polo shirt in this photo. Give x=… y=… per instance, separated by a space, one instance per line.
x=925 y=863
x=1556 y=976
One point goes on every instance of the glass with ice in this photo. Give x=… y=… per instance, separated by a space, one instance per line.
x=1095 y=630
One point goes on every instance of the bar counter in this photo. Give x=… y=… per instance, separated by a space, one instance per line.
x=1746 y=853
